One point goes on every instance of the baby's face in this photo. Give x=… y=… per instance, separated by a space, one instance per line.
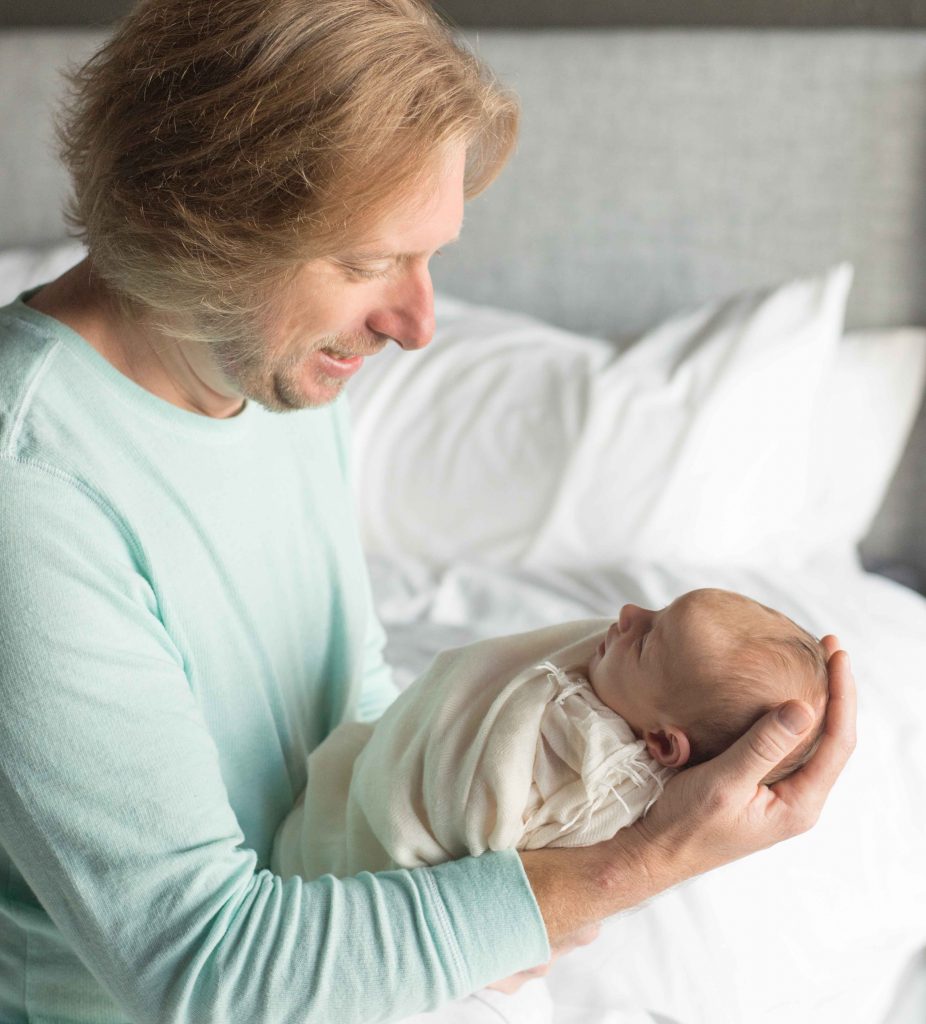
x=645 y=665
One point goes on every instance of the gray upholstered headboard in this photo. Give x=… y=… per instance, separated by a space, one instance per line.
x=656 y=169
x=660 y=169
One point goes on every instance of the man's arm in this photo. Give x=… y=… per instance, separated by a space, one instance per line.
x=709 y=815
x=115 y=812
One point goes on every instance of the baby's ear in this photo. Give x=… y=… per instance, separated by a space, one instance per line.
x=669 y=746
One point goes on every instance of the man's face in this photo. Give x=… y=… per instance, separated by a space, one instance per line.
x=344 y=308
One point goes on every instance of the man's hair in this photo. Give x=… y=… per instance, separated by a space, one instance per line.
x=765 y=668
x=215 y=146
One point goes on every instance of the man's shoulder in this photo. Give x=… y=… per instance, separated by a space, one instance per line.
x=23 y=344
x=27 y=354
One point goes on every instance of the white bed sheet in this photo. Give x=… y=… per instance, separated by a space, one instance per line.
x=820 y=929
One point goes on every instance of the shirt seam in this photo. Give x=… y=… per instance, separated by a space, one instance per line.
x=456 y=954
x=26 y=401
x=26 y=964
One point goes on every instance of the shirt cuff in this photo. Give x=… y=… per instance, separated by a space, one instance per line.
x=489 y=915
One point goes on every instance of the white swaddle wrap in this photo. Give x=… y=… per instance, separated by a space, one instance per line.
x=500 y=744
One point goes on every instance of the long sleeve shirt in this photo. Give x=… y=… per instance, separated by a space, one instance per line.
x=184 y=615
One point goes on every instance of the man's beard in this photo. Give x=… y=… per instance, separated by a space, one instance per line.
x=278 y=382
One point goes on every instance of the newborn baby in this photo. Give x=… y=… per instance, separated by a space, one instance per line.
x=556 y=737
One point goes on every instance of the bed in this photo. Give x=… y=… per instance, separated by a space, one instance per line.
x=679 y=344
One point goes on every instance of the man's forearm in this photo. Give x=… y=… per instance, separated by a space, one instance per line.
x=578 y=887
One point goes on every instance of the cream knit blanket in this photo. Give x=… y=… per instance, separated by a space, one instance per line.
x=500 y=744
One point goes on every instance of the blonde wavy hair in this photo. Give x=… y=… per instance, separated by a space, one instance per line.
x=216 y=145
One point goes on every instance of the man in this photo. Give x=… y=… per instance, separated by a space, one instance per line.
x=185 y=611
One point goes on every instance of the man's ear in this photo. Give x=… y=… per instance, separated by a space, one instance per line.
x=669 y=746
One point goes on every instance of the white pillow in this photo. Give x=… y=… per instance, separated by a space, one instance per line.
x=696 y=443
x=25 y=267
x=509 y=441
x=860 y=430
x=458 y=449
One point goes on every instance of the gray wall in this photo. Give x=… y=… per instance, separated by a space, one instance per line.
x=797 y=13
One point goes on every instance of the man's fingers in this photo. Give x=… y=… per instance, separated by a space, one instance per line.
x=583 y=937
x=830 y=645
x=511 y=985
x=814 y=781
x=775 y=735
x=586 y=935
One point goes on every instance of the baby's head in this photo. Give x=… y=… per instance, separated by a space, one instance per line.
x=692 y=678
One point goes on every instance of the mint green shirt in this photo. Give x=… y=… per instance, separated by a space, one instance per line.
x=184 y=615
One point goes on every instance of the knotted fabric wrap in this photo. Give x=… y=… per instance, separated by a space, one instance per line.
x=500 y=744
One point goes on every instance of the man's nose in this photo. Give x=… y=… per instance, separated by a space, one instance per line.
x=407 y=313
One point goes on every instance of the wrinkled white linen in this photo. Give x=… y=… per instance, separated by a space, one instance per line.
x=500 y=744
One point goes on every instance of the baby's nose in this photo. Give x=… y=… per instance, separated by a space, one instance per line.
x=632 y=615
x=627 y=616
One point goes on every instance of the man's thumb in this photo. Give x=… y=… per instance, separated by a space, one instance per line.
x=795 y=716
x=770 y=741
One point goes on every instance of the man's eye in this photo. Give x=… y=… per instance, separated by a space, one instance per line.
x=367 y=275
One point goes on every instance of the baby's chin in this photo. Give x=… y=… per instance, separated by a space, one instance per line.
x=596 y=658
x=591 y=671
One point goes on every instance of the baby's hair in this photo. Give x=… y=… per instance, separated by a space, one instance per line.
x=766 y=668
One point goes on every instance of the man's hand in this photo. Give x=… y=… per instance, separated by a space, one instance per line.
x=708 y=815
x=720 y=811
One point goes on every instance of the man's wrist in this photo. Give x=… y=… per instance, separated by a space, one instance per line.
x=636 y=867
x=576 y=887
